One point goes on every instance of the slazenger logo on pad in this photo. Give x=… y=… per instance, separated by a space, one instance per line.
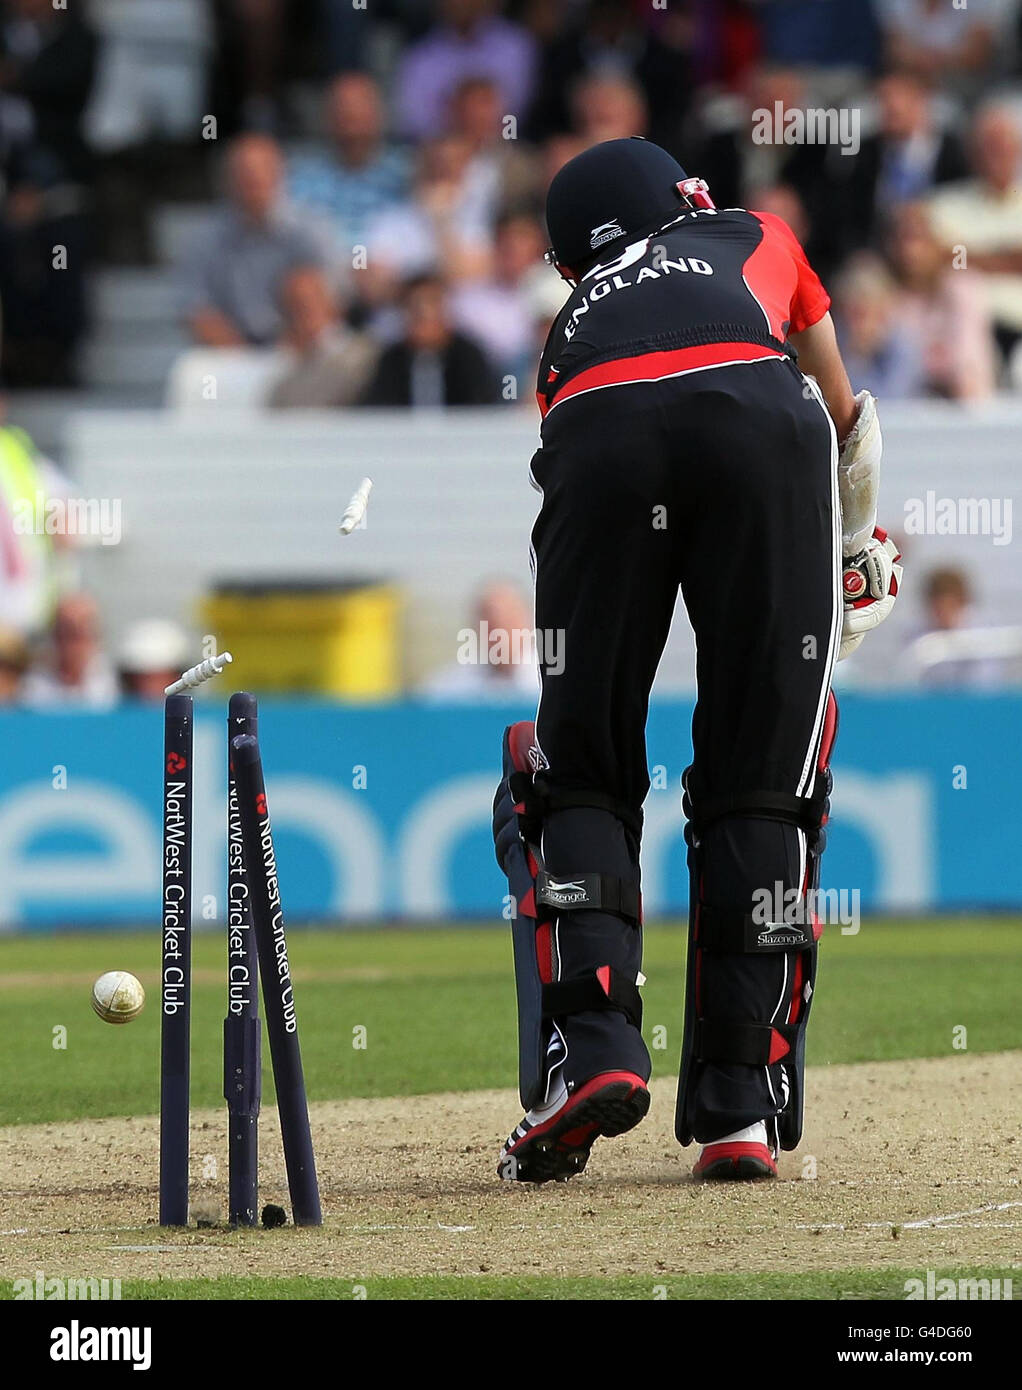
x=605 y=232
x=570 y=892
x=781 y=934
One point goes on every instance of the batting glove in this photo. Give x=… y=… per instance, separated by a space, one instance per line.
x=870 y=582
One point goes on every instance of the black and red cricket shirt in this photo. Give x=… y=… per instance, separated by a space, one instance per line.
x=712 y=288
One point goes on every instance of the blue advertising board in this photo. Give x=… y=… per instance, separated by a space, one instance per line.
x=385 y=812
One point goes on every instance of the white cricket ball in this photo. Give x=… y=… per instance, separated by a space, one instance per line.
x=118 y=997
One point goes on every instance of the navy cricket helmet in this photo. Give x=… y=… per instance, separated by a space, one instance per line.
x=613 y=191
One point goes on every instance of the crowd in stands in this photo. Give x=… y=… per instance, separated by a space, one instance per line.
x=373 y=181
x=375 y=176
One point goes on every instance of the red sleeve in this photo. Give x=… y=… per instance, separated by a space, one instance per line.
x=790 y=275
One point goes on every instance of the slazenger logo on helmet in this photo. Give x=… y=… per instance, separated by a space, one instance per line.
x=605 y=232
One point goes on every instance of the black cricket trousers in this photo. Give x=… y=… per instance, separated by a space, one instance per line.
x=722 y=482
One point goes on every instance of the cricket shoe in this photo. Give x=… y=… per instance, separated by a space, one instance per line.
x=553 y=1141
x=739 y=1157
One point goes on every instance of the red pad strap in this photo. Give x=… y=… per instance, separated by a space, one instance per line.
x=829 y=733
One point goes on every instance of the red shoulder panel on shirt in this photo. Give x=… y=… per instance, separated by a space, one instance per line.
x=782 y=280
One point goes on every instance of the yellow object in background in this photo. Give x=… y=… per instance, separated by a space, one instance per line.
x=340 y=641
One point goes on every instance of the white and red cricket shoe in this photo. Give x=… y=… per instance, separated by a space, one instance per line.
x=739 y=1157
x=553 y=1141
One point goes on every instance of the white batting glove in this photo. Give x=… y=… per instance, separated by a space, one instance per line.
x=870 y=582
x=858 y=476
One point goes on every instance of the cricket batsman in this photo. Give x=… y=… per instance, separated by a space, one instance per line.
x=699 y=432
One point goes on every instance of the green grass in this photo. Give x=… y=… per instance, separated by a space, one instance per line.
x=438 y=1009
x=816 y=1284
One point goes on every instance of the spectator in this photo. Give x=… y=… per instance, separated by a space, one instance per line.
x=347 y=37
x=555 y=154
x=362 y=174
x=722 y=149
x=500 y=311
x=612 y=39
x=153 y=652
x=605 y=107
x=499 y=157
x=879 y=352
x=909 y=153
x=983 y=217
x=327 y=363
x=76 y=670
x=469 y=42
x=253 y=36
x=444 y=227
x=44 y=307
x=948 y=598
x=47 y=63
x=14 y=662
x=726 y=43
x=504 y=646
x=943 y=654
x=432 y=364
x=783 y=202
x=234 y=274
x=854 y=199
x=939 y=41
x=943 y=309
x=820 y=36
